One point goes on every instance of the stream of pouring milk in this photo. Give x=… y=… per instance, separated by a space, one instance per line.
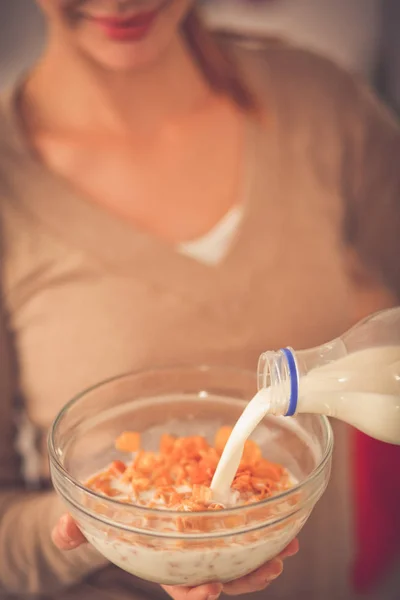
x=229 y=462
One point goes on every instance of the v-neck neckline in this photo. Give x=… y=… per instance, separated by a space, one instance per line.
x=116 y=242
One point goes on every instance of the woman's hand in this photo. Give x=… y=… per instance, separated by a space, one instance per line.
x=67 y=536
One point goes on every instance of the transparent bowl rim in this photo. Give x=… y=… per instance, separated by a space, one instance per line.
x=313 y=475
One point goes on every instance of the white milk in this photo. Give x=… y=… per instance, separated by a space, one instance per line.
x=362 y=389
x=196 y=566
x=228 y=464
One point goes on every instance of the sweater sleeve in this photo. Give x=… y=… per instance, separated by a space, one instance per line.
x=371 y=186
x=29 y=562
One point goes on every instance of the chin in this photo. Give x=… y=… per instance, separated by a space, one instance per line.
x=126 y=57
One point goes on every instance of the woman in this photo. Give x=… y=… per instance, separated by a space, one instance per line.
x=156 y=182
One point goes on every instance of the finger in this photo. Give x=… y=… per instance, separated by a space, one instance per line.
x=66 y=535
x=209 y=591
x=258 y=580
x=290 y=550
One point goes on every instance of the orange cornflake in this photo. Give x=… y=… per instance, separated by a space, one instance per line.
x=102 y=483
x=167 y=443
x=201 y=493
x=221 y=438
x=252 y=453
x=128 y=441
x=179 y=475
x=118 y=467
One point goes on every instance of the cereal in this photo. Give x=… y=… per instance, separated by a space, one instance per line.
x=178 y=476
x=184 y=547
x=128 y=441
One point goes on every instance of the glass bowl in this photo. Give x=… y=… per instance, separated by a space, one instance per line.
x=170 y=547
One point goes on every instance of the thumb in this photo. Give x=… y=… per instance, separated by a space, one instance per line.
x=66 y=535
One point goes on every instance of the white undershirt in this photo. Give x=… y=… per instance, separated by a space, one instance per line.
x=212 y=247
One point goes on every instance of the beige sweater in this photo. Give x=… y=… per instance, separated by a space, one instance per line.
x=86 y=296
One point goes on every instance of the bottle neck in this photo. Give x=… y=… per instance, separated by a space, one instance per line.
x=279 y=372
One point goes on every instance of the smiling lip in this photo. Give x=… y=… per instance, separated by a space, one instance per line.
x=126 y=29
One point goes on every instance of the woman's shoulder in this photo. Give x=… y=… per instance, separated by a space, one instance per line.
x=7 y=133
x=11 y=147
x=11 y=153
x=305 y=87
x=294 y=77
x=286 y=62
x=9 y=138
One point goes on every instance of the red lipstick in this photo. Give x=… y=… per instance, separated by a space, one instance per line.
x=127 y=29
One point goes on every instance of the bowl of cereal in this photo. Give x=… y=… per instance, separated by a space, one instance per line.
x=133 y=459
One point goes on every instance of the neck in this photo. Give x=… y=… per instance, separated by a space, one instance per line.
x=82 y=96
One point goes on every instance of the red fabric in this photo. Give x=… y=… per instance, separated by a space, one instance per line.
x=377 y=490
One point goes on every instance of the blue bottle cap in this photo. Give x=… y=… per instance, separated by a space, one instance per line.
x=294 y=382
